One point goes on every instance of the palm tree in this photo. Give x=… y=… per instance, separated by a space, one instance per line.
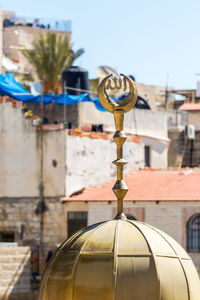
x=51 y=54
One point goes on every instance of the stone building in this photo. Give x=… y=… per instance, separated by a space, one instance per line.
x=21 y=37
x=19 y=33
x=193 y=111
x=184 y=132
x=73 y=161
x=168 y=200
x=149 y=126
x=159 y=98
x=183 y=152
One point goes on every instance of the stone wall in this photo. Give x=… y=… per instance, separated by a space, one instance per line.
x=58 y=113
x=19 y=216
x=170 y=217
x=192 y=153
x=150 y=125
x=89 y=161
x=155 y=96
x=177 y=147
x=194 y=119
x=20 y=156
x=136 y=121
x=158 y=153
x=183 y=152
x=15 y=273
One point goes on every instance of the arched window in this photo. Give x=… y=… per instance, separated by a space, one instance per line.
x=193 y=234
x=130 y=217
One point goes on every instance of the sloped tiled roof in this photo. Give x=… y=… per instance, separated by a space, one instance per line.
x=190 y=107
x=150 y=185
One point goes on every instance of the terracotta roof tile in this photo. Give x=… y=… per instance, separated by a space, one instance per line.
x=190 y=107
x=148 y=185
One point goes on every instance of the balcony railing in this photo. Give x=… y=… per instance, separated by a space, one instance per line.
x=51 y=24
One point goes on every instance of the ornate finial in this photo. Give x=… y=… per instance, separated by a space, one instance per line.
x=118 y=108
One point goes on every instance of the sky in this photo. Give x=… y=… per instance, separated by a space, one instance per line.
x=156 y=41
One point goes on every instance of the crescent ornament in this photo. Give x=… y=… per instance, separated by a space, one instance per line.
x=111 y=105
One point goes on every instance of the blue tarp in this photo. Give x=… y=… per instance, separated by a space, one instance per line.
x=10 y=87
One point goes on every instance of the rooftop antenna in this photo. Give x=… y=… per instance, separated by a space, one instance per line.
x=166 y=91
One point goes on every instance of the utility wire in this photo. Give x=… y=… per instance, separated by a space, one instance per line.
x=81 y=90
x=66 y=87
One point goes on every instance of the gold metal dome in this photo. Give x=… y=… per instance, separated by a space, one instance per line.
x=120 y=259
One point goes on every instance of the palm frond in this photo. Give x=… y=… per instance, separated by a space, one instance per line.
x=51 y=55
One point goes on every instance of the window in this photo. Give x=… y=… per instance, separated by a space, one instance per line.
x=147 y=156
x=76 y=220
x=7 y=237
x=193 y=234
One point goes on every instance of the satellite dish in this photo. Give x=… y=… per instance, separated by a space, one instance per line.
x=36 y=88
x=104 y=71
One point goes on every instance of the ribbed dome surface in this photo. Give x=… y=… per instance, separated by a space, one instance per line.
x=120 y=260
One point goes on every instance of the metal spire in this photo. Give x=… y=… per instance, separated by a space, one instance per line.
x=118 y=108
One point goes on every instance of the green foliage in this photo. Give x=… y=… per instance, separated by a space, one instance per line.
x=51 y=54
x=94 y=84
x=25 y=79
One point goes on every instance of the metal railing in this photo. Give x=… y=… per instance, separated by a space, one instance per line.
x=36 y=22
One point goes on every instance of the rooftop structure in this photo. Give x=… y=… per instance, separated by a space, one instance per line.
x=187 y=96
x=190 y=107
x=10 y=19
x=19 y=33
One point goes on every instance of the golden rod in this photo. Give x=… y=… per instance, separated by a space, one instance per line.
x=120 y=188
x=118 y=108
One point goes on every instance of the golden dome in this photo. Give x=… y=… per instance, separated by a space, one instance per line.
x=120 y=259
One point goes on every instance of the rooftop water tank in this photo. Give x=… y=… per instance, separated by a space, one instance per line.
x=75 y=81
